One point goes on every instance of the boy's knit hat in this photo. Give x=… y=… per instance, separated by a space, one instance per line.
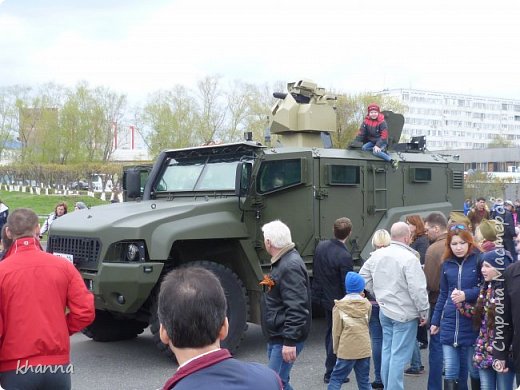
x=354 y=283
x=373 y=107
x=497 y=258
x=488 y=229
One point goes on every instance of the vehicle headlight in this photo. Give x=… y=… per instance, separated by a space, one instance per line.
x=132 y=252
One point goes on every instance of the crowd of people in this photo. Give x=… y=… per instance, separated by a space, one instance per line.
x=432 y=274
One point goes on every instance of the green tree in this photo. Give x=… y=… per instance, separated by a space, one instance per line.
x=500 y=142
x=351 y=110
x=248 y=107
x=88 y=119
x=9 y=114
x=170 y=117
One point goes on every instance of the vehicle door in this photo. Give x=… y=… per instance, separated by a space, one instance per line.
x=284 y=190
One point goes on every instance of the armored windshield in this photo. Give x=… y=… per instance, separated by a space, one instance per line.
x=205 y=173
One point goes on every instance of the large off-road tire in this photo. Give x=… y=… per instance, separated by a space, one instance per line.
x=237 y=312
x=107 y=328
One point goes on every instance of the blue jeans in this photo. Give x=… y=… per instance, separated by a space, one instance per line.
x=376 y=338
x=342 y=370
x=492 y=380
x=456 y=361
x=276 y=362
x=330 y=360
x=399 y=339
x=369 y=147
x=473 y=371
x=416 y=362
x=435 y=359
x=59 y=380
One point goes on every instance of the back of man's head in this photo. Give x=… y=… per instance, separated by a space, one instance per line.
x=192 y=307
x=342 y=228
x=437 y=219
x=400 y=232
x=22 y=223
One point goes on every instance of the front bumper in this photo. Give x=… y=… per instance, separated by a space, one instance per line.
x=122 y=287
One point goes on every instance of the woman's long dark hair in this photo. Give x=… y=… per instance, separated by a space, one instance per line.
x=480 y=308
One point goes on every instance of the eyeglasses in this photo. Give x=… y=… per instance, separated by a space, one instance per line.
x=458 y=227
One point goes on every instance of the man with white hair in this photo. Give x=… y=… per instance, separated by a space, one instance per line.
x=394 y=276
x=286 y=302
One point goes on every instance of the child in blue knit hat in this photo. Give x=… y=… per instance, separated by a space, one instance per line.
x=350 y=335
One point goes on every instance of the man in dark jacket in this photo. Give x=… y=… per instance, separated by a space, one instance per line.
x=504 y=213
x=478 y=213
x=436 y=226
x=286 y=302
x=192 y=314
x=332 y=262
x=507 y=322
x=507 y=325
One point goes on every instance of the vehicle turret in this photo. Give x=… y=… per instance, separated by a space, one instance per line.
x=305 y=116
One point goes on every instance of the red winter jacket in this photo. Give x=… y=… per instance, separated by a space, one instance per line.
x=36 y=288
x=375 y=131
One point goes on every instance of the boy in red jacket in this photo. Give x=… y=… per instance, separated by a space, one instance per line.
x=373 y=133
x=36 y=289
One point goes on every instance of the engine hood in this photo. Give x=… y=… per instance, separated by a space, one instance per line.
x=138 y=217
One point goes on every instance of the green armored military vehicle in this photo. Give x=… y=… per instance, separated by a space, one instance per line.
x=206 y=205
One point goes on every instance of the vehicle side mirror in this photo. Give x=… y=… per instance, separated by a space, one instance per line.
x=132 y=184
x=242 y=178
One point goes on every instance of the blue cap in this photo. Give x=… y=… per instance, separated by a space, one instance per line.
x=354 y=283
x=497 y=258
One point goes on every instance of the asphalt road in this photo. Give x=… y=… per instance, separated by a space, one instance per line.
x=137 y=364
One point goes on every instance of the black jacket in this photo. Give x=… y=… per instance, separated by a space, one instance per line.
x=511 y=316
x=286 y=307
x=332 y=261
x=421 y=244
x=509 y=233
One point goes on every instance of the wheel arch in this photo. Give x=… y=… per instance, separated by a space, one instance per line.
x=229 y=252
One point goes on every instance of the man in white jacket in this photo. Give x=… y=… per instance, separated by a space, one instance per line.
x=395 y=277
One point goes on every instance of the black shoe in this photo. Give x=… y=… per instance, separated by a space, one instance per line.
x=377 y=385
x=395 y=164
x=414 y=372
x=326 y=379
x=451 y=384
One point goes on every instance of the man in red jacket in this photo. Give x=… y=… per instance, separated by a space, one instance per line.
x=43 y=300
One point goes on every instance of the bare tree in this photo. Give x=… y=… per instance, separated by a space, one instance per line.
x=212 y=112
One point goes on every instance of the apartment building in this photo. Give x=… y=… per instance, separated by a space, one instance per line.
x=458 y=121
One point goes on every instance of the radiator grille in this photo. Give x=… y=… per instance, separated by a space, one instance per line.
x=85 y=250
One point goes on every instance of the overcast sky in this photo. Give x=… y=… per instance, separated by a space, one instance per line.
x=139 y=46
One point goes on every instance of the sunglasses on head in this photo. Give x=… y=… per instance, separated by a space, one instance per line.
x=458 y=227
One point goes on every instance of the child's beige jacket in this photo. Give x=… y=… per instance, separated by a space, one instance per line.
x=350 y=334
